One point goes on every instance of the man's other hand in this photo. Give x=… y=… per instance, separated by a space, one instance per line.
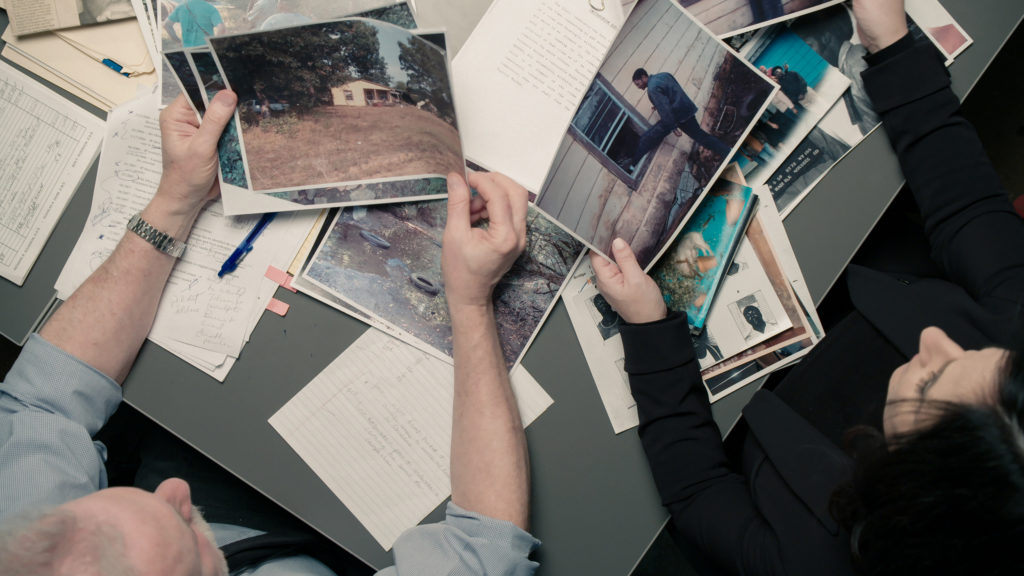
x=632 y=294
x=473 y=259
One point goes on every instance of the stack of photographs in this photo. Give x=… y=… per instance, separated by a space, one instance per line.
x=761 y=319
x=344 y=112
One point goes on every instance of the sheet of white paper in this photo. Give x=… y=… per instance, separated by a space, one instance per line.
x=202 y=318
x=46 y=146
x=375 y=426
x=521 y=74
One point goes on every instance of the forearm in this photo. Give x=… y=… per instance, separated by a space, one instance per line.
x=106 y=320
x=489 y=460
x=968 y=217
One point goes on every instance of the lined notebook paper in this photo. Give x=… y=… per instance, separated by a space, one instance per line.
x=375 y=426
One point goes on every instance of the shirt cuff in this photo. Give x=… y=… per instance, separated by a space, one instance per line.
x=891 y=51
x=48 y=378
x=464 y=543
x=657 y=346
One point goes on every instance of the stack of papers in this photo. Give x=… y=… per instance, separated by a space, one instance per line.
x=202 y=318
x=72 y=59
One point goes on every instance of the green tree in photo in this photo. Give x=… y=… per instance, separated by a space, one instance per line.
x=299 y=66
x=428 y=75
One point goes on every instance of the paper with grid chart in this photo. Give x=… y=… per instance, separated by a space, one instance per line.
x=46 y=146
x=376 y=427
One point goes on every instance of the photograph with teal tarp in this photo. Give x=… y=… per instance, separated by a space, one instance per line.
x=808 y=87
x=691 y=270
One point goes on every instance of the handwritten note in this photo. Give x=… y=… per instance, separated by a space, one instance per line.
x=375 y=426
x=522 y=73
x=46 y=146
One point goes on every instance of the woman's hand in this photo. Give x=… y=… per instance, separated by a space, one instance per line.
x=879 y=22
x=632 y=294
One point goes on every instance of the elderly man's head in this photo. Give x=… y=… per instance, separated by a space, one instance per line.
x=117 y=531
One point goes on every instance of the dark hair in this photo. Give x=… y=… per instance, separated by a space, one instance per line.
x=777 y=69
x=639 y=73
x=946 y=499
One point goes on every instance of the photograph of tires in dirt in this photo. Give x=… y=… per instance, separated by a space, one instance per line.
x=386 y=262
x=341 y=102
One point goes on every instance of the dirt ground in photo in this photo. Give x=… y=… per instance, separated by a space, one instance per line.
x=334 y=144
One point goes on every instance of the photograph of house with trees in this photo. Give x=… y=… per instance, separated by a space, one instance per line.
x=340 y=102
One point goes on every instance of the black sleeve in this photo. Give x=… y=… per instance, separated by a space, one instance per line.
x=709 y=503
x=974 y=233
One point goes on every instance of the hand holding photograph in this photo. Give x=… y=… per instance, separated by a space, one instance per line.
x=338 y=103
x=669 y=106
x=385 y=261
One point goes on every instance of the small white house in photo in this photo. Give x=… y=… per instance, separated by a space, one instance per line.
x=364 y=93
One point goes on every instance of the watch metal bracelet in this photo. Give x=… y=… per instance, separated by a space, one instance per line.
x=160 y=240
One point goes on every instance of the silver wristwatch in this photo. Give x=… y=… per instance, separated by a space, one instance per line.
x=160 y=240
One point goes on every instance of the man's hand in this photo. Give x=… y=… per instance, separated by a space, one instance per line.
x=879 y=22
x=190 y=163
x=473 y=259
x=632 y=294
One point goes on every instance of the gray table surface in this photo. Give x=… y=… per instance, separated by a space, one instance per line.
x=594 y=504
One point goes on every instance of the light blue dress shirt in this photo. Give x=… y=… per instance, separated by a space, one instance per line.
x=52 y=404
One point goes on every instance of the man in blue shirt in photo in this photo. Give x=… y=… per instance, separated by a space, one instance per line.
x=678 y=115
x=198 y=20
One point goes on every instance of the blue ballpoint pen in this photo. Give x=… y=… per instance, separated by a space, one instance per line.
x=246 y=246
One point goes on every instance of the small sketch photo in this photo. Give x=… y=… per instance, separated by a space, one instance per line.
x=386 y=261
x=753 y=316
x=339 y=103
x=666 y=111
x=31 y=16
x=729 y=17
x=605 y=317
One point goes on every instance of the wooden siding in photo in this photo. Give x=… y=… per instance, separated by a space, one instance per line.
x=590 y=199
x=363 y=93
x=723 y=16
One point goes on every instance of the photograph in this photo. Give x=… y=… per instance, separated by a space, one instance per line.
x=366 y=194
x=339 y=103
x=808 y=87
x=692 y=269
x=232 y=168
x=386 y=261
x=939 y=26
x=666 y=111
x=188 y=23
x=831 y=34
x=729 y=17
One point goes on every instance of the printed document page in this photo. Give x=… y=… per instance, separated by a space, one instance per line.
x=46 y=146
x=520 y=76
x=376 y=427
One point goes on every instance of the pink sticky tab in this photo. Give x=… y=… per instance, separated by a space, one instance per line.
x=278 y=307
x=278 y=276
x=288 y=283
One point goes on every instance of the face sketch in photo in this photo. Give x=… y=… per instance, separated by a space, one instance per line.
x=609 y=320
x=752 y=315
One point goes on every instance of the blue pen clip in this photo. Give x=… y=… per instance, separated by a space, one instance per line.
x=115 y=67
